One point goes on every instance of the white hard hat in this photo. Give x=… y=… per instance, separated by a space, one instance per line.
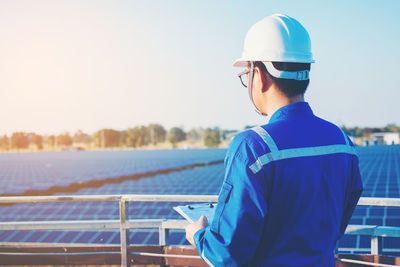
x=277 y=38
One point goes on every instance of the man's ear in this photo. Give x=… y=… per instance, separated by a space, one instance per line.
x=264 y=80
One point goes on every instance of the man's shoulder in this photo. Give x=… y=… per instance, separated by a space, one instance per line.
x=335 y=128
x=248 y=142
x=327 y=123
x=248 y=136
x=308 y=131
x=242 y=136
x=241 y=139
x=244 y=148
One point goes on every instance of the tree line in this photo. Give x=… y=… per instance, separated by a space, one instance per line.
x=139 y=136
x=367 y=131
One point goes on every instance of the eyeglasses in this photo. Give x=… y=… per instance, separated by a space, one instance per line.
x=243 y=76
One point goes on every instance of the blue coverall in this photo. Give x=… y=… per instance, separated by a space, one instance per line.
x=289 y=191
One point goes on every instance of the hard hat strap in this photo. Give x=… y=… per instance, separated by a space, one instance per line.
x=301 y=75
x=250 y=88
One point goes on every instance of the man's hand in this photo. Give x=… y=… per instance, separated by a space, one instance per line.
x=192 y=228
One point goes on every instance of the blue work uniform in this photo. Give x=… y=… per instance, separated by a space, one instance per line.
x=289 y=191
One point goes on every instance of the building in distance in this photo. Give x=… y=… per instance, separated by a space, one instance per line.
x=385 y=138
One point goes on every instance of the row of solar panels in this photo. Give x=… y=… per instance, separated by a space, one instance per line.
x=21 y=172
x=39 y=171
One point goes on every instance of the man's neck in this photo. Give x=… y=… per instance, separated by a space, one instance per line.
x=280 y=100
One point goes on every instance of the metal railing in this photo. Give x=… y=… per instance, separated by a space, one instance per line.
x=376 y=232
x=163 y=225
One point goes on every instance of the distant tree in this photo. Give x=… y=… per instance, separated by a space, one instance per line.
x=367 y=131
x=51 y=141
x=156 y=133
x=38 y=141
x=212 y=137
x=144 y=136
x=376 y=130
x=195 y=134
x=227 y=133
x=81 y=137
x=132 y=136
x=19 y=140
x=123 y=135
x=349 y=131
x=345 y=129
x=138 y=136
x=176 y=135
x=358 y=132
x=64 y=140
x=107 y=138
x=4 y=142
x=391 y=127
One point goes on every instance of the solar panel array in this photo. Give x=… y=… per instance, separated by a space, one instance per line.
x=203 y=180
x=379 y=169
x=20 y=172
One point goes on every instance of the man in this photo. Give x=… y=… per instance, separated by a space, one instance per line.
x=291 y=185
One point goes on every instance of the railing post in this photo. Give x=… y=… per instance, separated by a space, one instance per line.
x=376 y=245
x=163 y=234
x=123 y=232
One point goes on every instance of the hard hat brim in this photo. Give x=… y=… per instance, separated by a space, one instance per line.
x=240 y=63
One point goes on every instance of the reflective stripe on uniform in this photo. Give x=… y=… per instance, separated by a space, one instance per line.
x=345 y=137
x=300 y=152
x=266 y=137
x=276 y=154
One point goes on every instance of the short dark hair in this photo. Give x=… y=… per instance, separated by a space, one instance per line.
x=287 y=86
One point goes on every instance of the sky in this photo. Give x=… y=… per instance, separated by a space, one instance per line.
x=69 y=65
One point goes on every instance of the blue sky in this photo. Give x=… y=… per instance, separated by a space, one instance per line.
x=69 y=65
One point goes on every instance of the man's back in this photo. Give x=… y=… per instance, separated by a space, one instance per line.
x=308 y=178
x=289 y=191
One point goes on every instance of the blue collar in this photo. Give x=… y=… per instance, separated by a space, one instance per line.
x=298 y=109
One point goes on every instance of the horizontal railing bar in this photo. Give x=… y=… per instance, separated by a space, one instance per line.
x=61 y=245
x=361 y=250
x=360 y=229
x=11 y=253
x=174 y=224
x=364 y=201
x=371 y=230
x=131 y=198
x=73 y=245
x=67 y=198
x=172 y=198
x=387 y=231
x=374 y=201
x=358 y=262
x=85 y=225
x=165 y=255
x=93 y=224
x=143 y=223
x=149 y=254
x=60 y=225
